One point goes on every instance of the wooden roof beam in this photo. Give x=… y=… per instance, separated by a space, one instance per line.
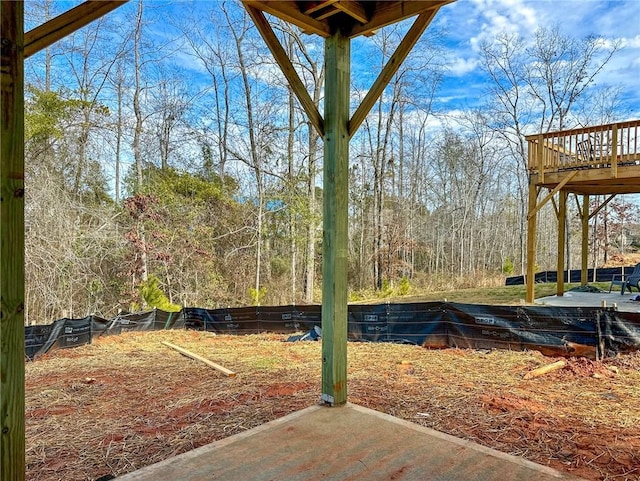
x=287 y=68
x=390 y=12
x=318 y=6
x=66 y=23
x=329 y=12
x=390 y=69
x=289 y=11
x=354 y=10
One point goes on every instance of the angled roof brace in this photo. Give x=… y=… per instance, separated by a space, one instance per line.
x=287 y=68
x=66 y=23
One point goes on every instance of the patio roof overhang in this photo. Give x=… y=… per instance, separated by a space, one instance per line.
x=352 y=17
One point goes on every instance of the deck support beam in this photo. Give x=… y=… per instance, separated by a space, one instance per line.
x=562 y=234
x=12 y=389
x=335 y=212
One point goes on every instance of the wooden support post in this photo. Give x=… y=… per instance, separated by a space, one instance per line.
x=584 y=270
x=531 y=239
x=12 y=404
x=335 y=210
x=562 y=233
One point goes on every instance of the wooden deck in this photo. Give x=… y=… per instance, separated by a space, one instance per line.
x=344 y=443
x=597 y=160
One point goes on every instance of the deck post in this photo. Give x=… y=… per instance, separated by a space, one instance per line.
x=531 y=239
x=584 y=269
x=335 y=212
x=562 y=234
x=12 y=390
x=562 y=237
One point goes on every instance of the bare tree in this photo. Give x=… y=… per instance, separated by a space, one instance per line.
x=536 y=87
x=561 y=68
x=209 y=44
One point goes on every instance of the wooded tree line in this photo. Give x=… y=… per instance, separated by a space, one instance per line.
x=169 y=164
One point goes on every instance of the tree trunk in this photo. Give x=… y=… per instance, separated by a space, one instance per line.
x=137 y=133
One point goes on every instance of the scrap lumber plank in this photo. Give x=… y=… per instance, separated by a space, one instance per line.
x=545 y=369
x=192 y=355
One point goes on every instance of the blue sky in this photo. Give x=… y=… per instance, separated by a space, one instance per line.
x=462 y=26
x=466 y=23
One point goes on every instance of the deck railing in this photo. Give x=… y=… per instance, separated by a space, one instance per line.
x=603 y=146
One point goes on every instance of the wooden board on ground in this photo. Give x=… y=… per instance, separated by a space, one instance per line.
x=195 y=356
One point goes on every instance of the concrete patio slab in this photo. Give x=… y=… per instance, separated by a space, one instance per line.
x=593 y=299
x=343 y=444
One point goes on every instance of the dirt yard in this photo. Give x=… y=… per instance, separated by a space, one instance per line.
x=128 y=401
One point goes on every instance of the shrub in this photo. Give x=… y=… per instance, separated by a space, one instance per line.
x=507 y=266
x=405 y=286
x=152 y=295
x=257 y=296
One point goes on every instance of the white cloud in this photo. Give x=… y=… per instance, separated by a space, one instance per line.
x=188 y=61
x=461 y=66
x=633 y=42
x=502 y=16
x=469 y=22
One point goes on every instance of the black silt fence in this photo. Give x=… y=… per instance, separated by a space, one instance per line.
x=604 y=274
x=67 y=333
x=564 y=331
x=554 y=331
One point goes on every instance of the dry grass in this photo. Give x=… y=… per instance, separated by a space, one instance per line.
x=128 y=401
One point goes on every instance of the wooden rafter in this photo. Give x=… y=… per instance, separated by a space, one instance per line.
x=391 y=67
x=352 y=17
x=387 y=13
x=353 y=9
x=312 y=7
x=66 y=23
x=290 y=12
x=287 y=68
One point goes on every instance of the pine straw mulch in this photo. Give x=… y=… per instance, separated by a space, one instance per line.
x=128 y=401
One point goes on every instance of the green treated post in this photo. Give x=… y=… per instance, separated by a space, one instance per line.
x=584 y=267
x=335 y=210
x=562 y=234
x=12 y=432
x=531 y=240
